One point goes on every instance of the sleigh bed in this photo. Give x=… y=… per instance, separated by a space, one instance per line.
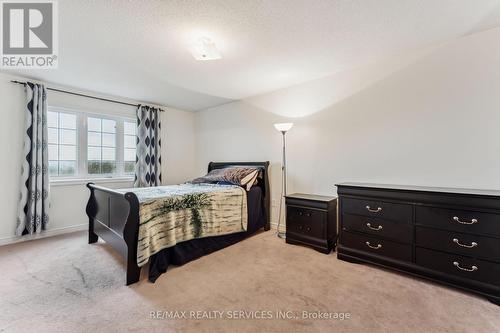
x=114 y=216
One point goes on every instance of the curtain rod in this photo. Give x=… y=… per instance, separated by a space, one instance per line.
x=83 y=95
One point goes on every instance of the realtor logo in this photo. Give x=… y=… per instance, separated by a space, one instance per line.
x=29 y=34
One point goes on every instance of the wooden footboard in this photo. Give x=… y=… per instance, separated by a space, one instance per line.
x=114 y=217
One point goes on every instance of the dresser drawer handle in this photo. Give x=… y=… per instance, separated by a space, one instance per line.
x=308 y=228
x=379 y=246
x=456 y=241
x=473 y=221
x=306 y=214
x=472 y=269
x=374 y=210
x=374 y=228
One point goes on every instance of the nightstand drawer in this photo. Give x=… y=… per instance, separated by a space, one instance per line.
x=376 y=246
x=306 y=221
x=401 y=232
x=297 y=213
x=311 y=221
x=459 y=220
x=386 y=210
x=459 y=266
x=455 y=242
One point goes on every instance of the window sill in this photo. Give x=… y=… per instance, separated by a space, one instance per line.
x=84 y=181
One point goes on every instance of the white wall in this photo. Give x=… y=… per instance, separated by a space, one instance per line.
x=435 y=122
x=68 y=201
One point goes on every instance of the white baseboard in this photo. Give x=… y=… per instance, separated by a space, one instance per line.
x=43 y=234
x=274 y=226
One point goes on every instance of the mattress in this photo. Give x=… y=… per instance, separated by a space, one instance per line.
x=187 y=251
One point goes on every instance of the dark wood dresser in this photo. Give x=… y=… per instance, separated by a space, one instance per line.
x=311 y=220
x=444 y=234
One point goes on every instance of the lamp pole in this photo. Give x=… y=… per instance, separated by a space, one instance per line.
x=283 y=167
x=279 y=233
x=283 y=128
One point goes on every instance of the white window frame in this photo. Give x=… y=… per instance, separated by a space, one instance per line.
x=122 y=138
x=78 y=143
x=82 y=176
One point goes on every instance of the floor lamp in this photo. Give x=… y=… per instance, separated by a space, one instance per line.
x=283 y=128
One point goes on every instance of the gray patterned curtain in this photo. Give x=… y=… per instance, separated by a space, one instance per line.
x=33 y=214
x=148 y=160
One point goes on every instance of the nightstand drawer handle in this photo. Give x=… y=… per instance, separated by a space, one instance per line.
x=306 y=214
x=456 y=241
x=374 y=228
x=379 y=246
x=308 y=228
x=374 y=210
x=472 y=269
x=473 y=221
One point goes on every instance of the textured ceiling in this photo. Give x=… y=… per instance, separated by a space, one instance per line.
x=139 y=49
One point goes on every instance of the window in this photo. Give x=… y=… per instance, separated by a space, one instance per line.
x=85 y=145
x=129 y=144
x=101 y=143
x=62 y=143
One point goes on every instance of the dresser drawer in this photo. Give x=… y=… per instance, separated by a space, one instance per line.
x=307 y=222
x=401 y=232
x=376 y=246
x=459 y=220
x=386 y=210
x=455 y=242
x=459 y=266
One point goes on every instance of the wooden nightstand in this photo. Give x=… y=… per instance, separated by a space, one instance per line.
x=311 y=220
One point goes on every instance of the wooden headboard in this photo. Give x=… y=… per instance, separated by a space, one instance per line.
x=266 y=189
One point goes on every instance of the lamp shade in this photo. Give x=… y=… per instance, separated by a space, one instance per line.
x=283 y=127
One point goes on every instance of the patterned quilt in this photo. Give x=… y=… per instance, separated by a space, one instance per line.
x=172 y=214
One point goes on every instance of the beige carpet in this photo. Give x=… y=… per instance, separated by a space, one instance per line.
x=62 y=284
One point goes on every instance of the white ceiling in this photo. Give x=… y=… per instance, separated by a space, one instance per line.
x=139 y=49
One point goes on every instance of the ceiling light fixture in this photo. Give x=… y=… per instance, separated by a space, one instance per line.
x=205 y=49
